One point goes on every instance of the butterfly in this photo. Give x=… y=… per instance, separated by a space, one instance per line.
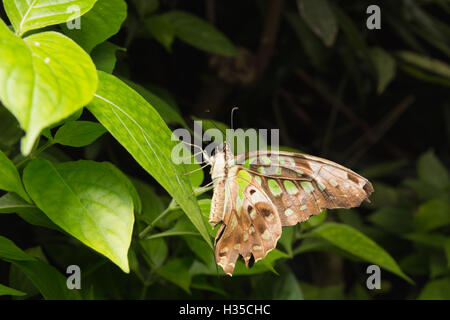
x=258 y=193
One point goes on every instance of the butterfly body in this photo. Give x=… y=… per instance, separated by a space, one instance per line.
x=257 y=193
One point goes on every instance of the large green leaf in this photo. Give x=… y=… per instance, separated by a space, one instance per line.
x=198 y=33
x=100 y=23
x=10 y=178
x=88 y=200
x=358 y=244
x=141 y=130
x=320 y=18
x=169 y=115
x=27 y=15
x=43 y=79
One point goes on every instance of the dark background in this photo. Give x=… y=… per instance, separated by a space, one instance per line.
x=325 y=104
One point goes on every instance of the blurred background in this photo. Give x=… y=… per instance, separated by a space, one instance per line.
x=374 y=100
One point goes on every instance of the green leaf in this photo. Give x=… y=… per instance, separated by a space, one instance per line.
x=436 y=290
x=177 y=272
x=200 y=248
x=43 y=79
x=429 y=239
x=203 y=283
x=332 y=292
x=79 y=133
x=385 y=67
x=161 y=29
x=10 y=203
x=320 y=19
x=432 y=171
x=287 y=238
x=152 y=205
x=431 y=215
x=169 y=114
x=429 y=64
x=36 y=217
x=100 y=23
x=10 y=252
x=36 y=274
x=155 y=250
x=141 y=130
x=104 y=56
x=7 y=291
x=351 y=31
x=358 y=244
x=393 y=220
x=88 y=200
x=28 y=15
x=199 y=34
x=183 y=227
x=314 y=221
x=10 y=129
x=10 y=178
x=273 y=287
x=145 y=7
x=50 y=283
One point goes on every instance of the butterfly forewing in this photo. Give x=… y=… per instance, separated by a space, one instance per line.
x=302 y=185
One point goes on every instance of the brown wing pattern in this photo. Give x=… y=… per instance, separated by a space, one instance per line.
x=251 y=226
x=266 y=191
x=301 y=185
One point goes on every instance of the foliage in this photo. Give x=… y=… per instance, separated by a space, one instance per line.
x=86 y=145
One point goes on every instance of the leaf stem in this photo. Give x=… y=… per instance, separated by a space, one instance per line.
x=34 y=154
x=173 y=205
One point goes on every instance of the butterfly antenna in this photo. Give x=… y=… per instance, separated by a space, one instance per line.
x=232 y=113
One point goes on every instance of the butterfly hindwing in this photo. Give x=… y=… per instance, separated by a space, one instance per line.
x=251 y=227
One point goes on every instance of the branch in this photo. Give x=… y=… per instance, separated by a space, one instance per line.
x=269 y=35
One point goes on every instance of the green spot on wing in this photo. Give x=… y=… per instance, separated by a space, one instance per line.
x=307 y=186
x=290 y=187
x=274 y=187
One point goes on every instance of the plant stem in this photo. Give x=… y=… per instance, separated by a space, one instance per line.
x=149 y=228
